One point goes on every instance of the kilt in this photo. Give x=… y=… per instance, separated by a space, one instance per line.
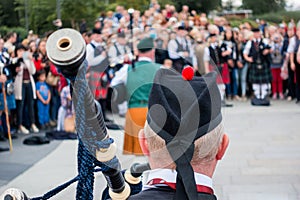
x=94 y=82
x=135 y=121
x=222 y=77
x=259 y=76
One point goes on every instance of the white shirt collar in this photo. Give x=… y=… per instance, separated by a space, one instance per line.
x=145 y=59
x=169 y=175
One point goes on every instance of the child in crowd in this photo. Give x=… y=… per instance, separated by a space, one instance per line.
x=276 y=64
x=44 y=97
x=65 y=110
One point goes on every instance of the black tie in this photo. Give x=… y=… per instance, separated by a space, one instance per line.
x=256 y=44
x=216 y=55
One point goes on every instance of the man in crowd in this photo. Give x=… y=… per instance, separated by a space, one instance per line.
x=11 y=38
x=256 y=53
x=181 y=51
x=183 y=137
x=98 y=62
x=119 y=53
x=138 y=79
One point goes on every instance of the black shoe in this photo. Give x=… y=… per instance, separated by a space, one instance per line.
x=3 y=149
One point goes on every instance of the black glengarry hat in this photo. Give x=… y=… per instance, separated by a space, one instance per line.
x=181 y=111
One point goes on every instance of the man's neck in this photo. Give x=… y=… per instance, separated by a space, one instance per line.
x=144 y=58
x=169 y=175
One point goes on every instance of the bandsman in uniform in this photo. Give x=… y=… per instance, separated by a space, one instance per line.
x=256 y=53
x=97 y=76
x=217 y=63
x=119 y=54
x=183 y=137
x=181 y=51
x=138 y=82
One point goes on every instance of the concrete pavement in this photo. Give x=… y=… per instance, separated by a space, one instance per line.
x=262 y=162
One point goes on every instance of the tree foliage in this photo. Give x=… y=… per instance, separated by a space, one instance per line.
x=265 y=6
x=202 y=5
x=8 y=15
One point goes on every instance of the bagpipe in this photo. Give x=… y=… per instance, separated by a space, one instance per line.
x=96 y=150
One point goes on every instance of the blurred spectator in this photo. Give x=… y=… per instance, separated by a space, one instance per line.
x=25 y=90
x=9 y=44
x=66 y=109
x=44 y=97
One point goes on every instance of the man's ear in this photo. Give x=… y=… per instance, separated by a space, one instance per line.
x=223 y=146
x=143 y=142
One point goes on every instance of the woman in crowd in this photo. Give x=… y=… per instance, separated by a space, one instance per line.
x=25 y=87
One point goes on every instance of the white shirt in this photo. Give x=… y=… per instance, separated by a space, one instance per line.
x=90 y=57
x=121 y=75
x=206 y=55
x=169 y=176
x=292 y=45
x=172 y=49
x=112 y=53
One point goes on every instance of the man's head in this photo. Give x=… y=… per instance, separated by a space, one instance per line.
x=121 y=38
x=97 y=35
x=208 y=150
x=184 y=126
x=181 y=31
x=11 y=37
x=146 y=48
x=213 y=38
x=1 y=44
x=256 y=33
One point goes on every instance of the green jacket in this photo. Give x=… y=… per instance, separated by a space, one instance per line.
x=139 y=83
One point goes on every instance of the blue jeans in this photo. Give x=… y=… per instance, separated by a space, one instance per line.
x=232 y=87
x=27 y=95
x=242 y=78
x=43 y=112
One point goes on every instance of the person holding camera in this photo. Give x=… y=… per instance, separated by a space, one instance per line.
x=25 y=90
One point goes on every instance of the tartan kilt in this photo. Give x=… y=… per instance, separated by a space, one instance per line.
x=262 y=75
x=223 y=76
x=94 y=82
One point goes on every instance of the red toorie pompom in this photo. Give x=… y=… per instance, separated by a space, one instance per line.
x=188 y=73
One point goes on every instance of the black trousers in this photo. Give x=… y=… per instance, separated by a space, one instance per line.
x=27 y=96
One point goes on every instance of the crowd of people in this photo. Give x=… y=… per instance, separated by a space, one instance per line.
x=252 y=62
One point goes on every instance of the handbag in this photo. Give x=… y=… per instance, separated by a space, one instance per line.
x=69 y=124
x=51 y=79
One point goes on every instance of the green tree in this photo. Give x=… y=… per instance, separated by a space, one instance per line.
x=138 y=5
x=41 y=13
x=265 y=6
x=74 y=11
x=202 y=5
x=8 y=16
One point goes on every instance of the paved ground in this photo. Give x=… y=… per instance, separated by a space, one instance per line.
x=262 y=162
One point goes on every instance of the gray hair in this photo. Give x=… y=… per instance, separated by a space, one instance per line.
x=206 y=147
